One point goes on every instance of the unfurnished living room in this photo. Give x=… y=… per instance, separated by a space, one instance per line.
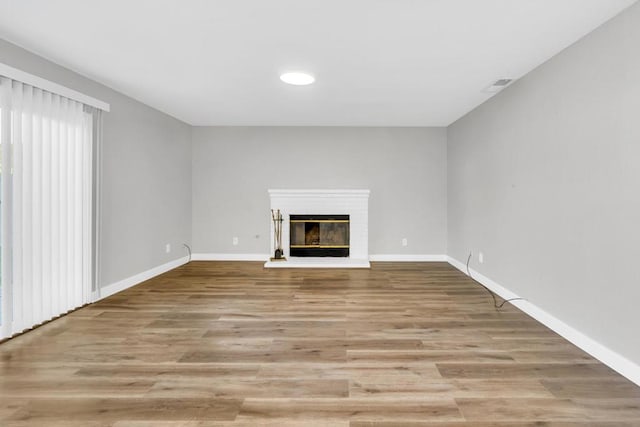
x=356 y=213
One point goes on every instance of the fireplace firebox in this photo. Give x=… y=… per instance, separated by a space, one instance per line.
x=319 y=235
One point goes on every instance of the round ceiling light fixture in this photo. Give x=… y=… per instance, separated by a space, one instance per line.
x=297 y=78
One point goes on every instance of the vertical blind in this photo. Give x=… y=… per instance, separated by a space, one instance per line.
x=46 y=197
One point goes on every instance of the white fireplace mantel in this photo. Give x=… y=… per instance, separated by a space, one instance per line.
x=354 y=203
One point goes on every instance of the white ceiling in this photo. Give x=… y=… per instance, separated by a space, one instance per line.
x=376 y=62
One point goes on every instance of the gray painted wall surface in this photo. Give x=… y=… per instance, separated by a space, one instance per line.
x=544 y=179
x=146 y=174
x=405 y=169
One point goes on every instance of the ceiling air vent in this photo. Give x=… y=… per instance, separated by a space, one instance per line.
x=497 y=86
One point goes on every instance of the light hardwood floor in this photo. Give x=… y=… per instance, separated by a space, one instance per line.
x=233 y=344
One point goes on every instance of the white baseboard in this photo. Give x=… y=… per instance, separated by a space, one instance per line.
x=265 y=257
x=321 y=262
x=229 y=257
x=123 y=284
x=615 y=361
x=407 y=258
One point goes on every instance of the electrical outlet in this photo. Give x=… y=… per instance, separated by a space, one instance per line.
x=235 y=241
x=480 y=257
x=167 y=247
x=404 y=242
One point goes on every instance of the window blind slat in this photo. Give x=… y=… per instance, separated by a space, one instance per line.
x=87 y=163
x=63 y=172
x=5 y=188
x=71 y=144
x=56 y=304
x=17 y=198
x=29 y=290
x=36 y=206
x=45 y=213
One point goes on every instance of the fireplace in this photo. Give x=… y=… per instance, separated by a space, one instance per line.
x=319 y=235
x=313 y=206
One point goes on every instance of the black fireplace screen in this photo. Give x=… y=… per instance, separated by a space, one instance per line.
x=319 y=235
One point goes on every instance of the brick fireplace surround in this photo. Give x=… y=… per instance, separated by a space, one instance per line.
x=354 y=203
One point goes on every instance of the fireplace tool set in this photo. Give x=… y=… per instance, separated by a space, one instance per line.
x=276 y=217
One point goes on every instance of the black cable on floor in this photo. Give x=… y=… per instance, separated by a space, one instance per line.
x=493 y=295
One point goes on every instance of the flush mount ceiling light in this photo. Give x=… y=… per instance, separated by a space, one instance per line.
x=297 y=78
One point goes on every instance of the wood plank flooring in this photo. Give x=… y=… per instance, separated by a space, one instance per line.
x=232 y=344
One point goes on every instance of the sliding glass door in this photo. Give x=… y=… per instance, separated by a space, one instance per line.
x=46 y=196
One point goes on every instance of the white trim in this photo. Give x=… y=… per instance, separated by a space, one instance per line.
x=320 y=193
x=322 y=262
x=139 y=278
x=407 y=258
x=229 y=257
x=614 y=360
x=39 y=82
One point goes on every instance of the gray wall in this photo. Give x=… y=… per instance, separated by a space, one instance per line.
x=146 y=174
x=544 y=179
x=405 y=169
